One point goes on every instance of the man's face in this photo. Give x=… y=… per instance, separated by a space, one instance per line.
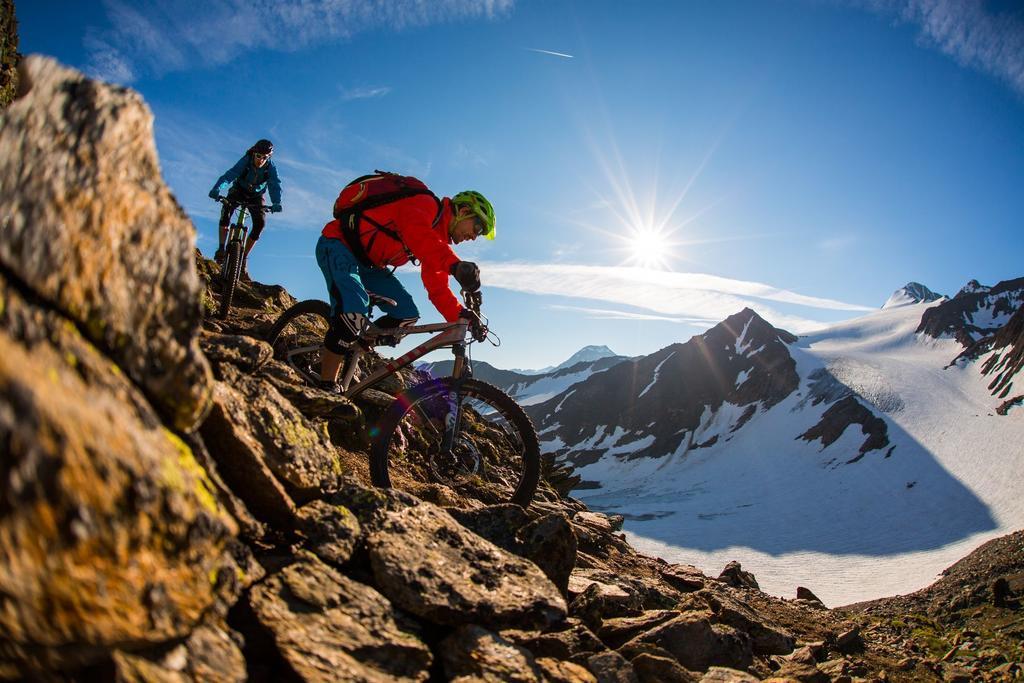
x=259 y=159
x=467 y=226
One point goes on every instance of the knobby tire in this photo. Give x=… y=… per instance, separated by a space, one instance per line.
x=313 y=307
x=229 y=276
x=480 y=392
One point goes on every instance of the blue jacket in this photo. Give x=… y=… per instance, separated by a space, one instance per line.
x=251 y=179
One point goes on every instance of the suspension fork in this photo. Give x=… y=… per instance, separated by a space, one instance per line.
x=453 y=421
x=238 y=229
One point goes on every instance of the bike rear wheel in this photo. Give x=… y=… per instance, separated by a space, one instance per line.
x=229 y=276
x=298 y=334
x=494 y=440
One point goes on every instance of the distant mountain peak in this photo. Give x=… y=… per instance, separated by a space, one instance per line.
x=972 y=287
x=588 y=354
x=747 y=326
x=911 y=293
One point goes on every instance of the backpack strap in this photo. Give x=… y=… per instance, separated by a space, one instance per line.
x=350 y=221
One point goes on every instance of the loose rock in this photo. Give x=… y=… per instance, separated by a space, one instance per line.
x=430 y=565
x=329 y=627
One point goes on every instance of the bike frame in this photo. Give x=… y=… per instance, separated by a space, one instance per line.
x=238 y=230
x=449 y=335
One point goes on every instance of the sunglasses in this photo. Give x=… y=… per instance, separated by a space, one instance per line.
x=261 y=157
x=478 y=227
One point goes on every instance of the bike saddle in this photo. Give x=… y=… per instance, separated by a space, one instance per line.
x=377 y=300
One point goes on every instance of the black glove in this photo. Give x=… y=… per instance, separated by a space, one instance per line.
x=466 y=274
x=476 y=326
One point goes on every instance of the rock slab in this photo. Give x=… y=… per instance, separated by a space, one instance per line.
x=431 y=566
x=89 y=225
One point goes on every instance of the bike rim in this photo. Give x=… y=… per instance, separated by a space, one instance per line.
x=298 y=344
x=487 y=445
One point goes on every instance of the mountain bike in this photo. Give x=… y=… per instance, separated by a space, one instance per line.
x=234 y=251
x=452 y=429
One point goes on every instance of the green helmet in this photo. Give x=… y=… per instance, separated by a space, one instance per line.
x=480 y=206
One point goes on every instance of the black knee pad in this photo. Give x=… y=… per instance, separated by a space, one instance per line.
x=345 y=328
x=388 y=321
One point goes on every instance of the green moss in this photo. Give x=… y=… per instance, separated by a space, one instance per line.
x=293 y=433
x=96 y=326
x=930 y=638
x=350 y=520
x=172 y=473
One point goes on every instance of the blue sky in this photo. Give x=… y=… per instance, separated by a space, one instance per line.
x=802 y=157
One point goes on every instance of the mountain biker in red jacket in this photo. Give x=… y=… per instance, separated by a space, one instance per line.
x=425 y=227
x=250 y=177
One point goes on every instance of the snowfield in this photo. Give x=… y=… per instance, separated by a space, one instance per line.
x=796 y=514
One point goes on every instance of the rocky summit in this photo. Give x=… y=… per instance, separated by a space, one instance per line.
x=177 y=505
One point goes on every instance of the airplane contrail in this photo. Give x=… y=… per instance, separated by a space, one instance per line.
x=549 y=52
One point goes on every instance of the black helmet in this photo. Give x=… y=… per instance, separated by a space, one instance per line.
x=262 y=147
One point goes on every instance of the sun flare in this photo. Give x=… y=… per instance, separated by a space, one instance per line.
x=649 y=248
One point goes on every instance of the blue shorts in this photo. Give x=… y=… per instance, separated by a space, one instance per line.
x=348 y=281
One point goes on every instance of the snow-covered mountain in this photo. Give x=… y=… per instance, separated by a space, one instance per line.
x=587 y=354
x=973 y=287
x=912 y=293
x=529 y=389
x=975 y=312
x=862 y=451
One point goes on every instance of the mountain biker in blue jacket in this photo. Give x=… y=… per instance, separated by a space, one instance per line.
x=253 y=175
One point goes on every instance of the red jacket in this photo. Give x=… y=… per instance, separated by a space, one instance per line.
x=413 y=219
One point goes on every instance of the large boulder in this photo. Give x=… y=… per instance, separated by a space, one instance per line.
x=110 y=531
x=429 y=564
x=268 y=452
x=91 y=228
x=331 y=628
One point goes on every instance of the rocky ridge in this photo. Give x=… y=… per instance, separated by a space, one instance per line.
x=175 y=505
x=659 y=404
x=975 y=312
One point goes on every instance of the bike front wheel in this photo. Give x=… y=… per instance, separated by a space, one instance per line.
x=229 y=276
x=466 y=434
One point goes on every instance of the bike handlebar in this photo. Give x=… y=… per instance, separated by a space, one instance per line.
x=250 y=205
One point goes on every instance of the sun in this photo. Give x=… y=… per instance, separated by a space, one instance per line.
x=649 y=247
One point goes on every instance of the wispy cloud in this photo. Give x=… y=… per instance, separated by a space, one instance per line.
x=610 y=314
x=364 y=93
x=695 y=297
x=549 y=52
x=974 y=33
x=153 y=37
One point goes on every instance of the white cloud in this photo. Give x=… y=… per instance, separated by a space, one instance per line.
x=609 y=314
x=693 y=296
x=151 y=37
x=364 y=93
x=106 y=63
x=968 y=31
x=549 y=52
